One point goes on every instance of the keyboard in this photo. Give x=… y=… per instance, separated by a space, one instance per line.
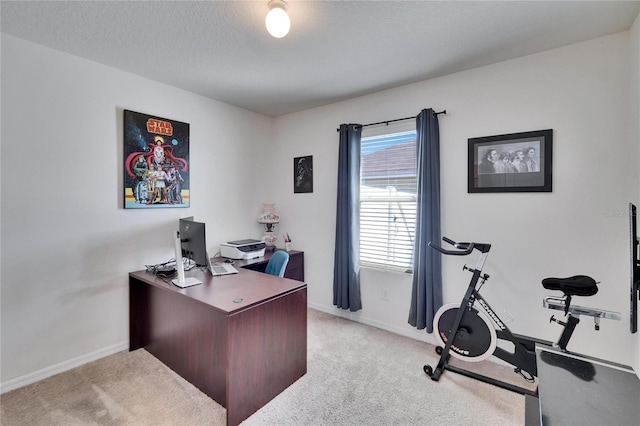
x=219 y=269
x=222 y=269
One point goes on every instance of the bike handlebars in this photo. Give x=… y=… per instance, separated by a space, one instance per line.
x=464 y=248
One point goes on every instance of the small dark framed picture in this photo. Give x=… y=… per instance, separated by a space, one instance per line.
x=303 y=174
x=516 y=162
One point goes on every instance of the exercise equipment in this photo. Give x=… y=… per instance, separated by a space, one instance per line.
x=471 y=334
x=578 y=285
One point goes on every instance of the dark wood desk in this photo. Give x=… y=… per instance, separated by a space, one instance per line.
x=295 y=267
x=241 y=339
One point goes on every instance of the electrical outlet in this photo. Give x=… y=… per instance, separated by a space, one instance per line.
x=508 y=315
x=385 y=294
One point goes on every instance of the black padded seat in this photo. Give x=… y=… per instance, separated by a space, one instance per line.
x=578 y=285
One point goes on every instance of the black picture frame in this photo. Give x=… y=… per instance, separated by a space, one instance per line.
x=156 y=162
x=303 y=174
x=514 y=162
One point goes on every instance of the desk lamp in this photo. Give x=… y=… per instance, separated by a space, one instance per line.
x=268 y=218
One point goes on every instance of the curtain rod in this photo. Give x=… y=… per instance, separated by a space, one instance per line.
x=400 y=119
x=397 y=119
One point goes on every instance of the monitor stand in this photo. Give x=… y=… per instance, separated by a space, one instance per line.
x=188 y=282
x=181 y=281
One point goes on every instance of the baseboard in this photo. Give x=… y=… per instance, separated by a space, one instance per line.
x=416 y=334
x=36 y=376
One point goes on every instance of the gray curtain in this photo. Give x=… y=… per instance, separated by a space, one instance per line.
x=346 y=265
x=426 y=295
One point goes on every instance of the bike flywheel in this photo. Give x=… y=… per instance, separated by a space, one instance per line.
x=475 y=339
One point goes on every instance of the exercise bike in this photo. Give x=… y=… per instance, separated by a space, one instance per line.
x=470 y=335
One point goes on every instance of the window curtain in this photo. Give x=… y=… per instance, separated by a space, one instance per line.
x=426 y=295
x=346 y=265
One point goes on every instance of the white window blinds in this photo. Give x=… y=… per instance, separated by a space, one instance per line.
x=388 y=200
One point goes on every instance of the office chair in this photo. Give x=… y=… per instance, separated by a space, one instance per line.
x=278 y=263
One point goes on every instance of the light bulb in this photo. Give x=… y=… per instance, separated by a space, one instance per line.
x=277 y=21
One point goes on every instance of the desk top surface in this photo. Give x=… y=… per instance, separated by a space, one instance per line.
x=227 y=293
x=240 y=263
x=575 y=390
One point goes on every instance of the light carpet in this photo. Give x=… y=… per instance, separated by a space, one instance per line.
x=357 y=375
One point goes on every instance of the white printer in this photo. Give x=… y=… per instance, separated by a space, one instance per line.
x=242 y=249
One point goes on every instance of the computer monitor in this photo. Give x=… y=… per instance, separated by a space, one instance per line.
x=194 y=241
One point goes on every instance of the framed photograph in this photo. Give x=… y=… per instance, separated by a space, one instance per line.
x=516 y=162
x=303 y=174
x=156 y=162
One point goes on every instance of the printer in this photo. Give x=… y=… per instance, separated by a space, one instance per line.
x=243 y=249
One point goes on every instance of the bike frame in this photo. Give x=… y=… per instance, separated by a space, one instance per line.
x=523 y=357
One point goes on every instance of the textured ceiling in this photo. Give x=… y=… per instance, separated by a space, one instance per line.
x=334 y=51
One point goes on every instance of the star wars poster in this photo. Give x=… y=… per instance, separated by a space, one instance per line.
x=156 y=165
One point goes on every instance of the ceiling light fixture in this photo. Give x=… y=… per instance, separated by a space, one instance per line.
x=277 y=21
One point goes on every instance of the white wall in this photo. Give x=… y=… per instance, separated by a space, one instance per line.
x=582 y=92
x=634 y=113
x=67 y=242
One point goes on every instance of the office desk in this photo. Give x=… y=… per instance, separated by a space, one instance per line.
x=241 y=338
x=295 y=267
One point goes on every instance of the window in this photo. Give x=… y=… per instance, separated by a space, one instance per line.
x=388 y=201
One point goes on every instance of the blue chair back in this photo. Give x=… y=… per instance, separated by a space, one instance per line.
x=278 y=263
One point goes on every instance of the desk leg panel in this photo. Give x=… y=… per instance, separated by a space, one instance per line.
x=267 y=353
x=138 y=314
x=186 y=336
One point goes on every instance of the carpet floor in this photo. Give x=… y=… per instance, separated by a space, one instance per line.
x=357 y=375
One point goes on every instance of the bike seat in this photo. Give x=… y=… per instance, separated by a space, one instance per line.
x=578 y=285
